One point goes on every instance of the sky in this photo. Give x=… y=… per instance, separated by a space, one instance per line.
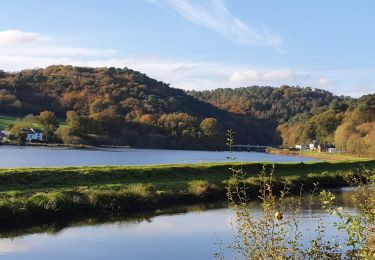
x=200 y=44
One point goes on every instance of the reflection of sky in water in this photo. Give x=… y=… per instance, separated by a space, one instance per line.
x=12 y=156
x=180 y=236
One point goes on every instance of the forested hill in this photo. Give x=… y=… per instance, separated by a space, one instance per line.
x=278 y=104
x=304 y=115
x=89 y=90
x=121 y=106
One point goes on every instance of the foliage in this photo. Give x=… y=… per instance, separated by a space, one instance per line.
x=122 y=107
x=113 y=106
x=198 y=187
x=210 y=126
x=273 y=235
x=357 y=133
x=283 y=104
x=352 y=131
x=49 y=124
x=320 y=127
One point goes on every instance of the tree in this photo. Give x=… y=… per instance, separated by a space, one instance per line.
x=49 y=123
x=19 y=130
x=77 y=124
x=209 y=126
x=178 y=123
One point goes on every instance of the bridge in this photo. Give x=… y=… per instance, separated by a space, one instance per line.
x=250 y=147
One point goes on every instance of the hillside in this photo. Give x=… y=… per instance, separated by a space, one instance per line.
x=277 y=104
x=111 y=106
x=122 y=106
x=304 y=115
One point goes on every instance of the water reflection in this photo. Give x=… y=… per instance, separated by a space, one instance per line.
x=188 y=232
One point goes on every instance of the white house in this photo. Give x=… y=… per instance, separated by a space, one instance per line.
x=34 y=134
x=299 y=146
x=313 y=145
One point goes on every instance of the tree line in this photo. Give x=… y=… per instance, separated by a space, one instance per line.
x=119 y=106
x=303 y=115
x=113 y=106
x=350 y=130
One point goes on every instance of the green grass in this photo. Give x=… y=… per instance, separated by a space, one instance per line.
x=6 y=120
x=324 y=156
x=35 y=192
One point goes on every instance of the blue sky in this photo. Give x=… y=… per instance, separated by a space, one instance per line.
x=202 y=44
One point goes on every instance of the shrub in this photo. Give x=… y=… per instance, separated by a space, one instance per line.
x=49 y=201
x=198 y=187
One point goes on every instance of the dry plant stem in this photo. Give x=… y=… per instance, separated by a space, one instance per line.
x=272 y=236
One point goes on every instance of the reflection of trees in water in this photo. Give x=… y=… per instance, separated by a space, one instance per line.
x=343 y=198
x=56 y=226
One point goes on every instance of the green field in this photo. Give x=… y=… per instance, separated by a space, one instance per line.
x=6 y=120
x=324 y=156
x=50 y=192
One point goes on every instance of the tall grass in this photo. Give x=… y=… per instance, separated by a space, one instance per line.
x=198 y=187
x=274 y=235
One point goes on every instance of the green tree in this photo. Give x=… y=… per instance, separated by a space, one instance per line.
x=19 y=130
x=209 y=126
x=76 y=123
x=49 y=123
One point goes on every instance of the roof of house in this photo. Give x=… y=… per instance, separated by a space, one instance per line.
x=35 y=131
x=5 y=132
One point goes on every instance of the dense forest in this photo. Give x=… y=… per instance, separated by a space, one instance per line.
x=304 y=114
x=282 y=104
x=112 y=106
x=120 y=107
x=351 y=130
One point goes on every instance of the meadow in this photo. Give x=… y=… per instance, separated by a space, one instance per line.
x=6 y=120
x=35 y=193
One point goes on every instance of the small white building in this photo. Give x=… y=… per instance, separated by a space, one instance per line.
x=4 y=135
x=34 y=134
x=299 y=146
x=314 y=145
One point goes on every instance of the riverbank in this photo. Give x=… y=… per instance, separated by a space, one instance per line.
x=61 y=145
x=37 y=193
x=323 y=156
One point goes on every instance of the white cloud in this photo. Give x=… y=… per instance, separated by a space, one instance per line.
x=214 y=15
x=324 y=82
x=25 y=49
x=11 y=38
x=8 y=246
x=180 y=73
x=257 y=76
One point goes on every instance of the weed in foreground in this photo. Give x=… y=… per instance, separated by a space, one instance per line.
x=275 y=235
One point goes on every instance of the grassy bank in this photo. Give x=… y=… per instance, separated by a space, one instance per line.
x=34 y=193
x=324 y=156
x=6 y=120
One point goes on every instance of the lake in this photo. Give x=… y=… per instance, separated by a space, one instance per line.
x=31 y=156
x=188 y=232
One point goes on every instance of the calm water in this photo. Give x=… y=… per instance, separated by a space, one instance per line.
x=14 y=156
x=188 y=235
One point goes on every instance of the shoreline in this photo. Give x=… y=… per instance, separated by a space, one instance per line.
x=57 y=145
x=323 y=156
